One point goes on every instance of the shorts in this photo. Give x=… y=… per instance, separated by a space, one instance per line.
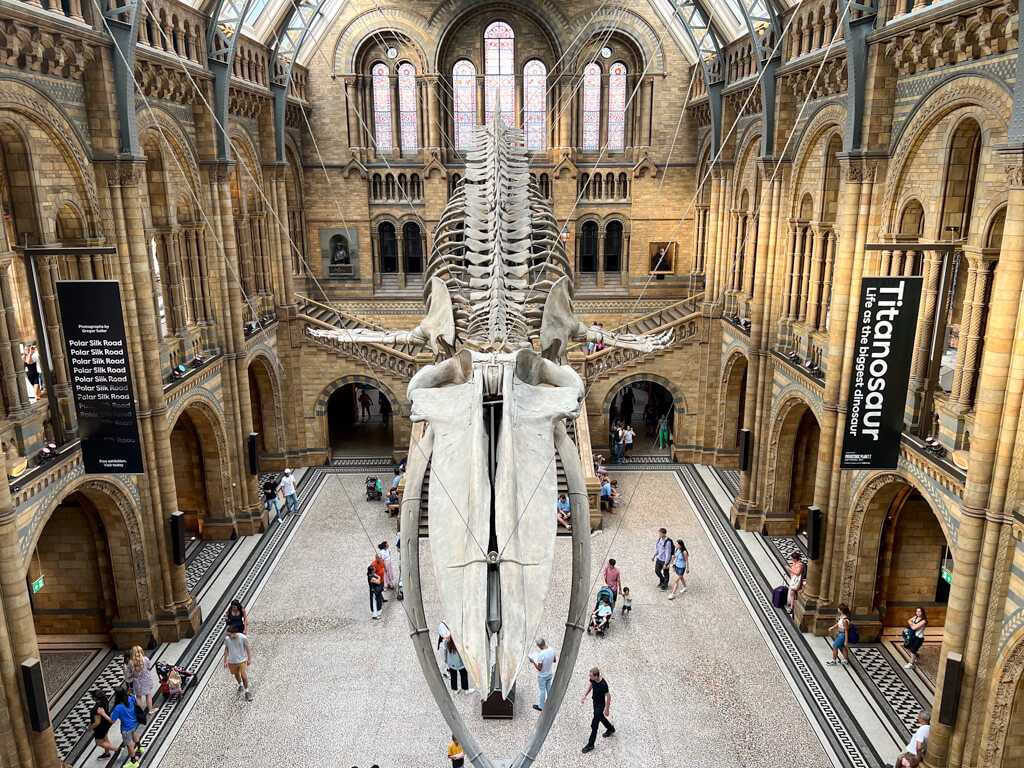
x=679 y=571
x=840 y=641
x=127 y=734
x=238 y=668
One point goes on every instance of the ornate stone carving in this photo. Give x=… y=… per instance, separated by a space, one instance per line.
x=1014 y=175
x=857 y=170
x=125 y=174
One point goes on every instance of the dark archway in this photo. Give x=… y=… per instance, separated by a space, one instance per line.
x=912 y=555
x=199 y=477
x=263 y=399
x=642 y=404
x=733 y=404
x=360 y=421
x=74 y=562
x=796 y=465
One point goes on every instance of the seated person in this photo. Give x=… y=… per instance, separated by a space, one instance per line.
x=563 y=512
x=599 y=618
x=609 y=493
x=599 y=468
x=398 y=477
x=391 y=503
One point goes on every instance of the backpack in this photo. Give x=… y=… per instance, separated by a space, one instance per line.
x=854 y=634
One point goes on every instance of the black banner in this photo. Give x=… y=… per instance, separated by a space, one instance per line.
x=883 y=348
x=97 y=351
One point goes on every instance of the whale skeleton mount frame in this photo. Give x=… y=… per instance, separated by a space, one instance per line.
x=498 y=290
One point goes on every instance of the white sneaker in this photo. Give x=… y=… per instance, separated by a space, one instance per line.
x=683 y=589
x=241 y=687
x=248 y=695
x=470 y=692
x=672 y=596
x=844 y=662
x=909 y=665
x=830 y=663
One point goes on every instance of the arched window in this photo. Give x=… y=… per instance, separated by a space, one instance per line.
x=378 y=187
x=623 y=187
x=609 y=186
x=545 y=185
x=382 y=107
x=585 y=186
x=535 y=86
x=389 y=187
x=413 y=248
x=499 y=70
x=617 y=107
x=592 y=108
x=388 y=244
x=407 y=105
x=588 y=247
x=415 y=188
x=613 y=247
x=464 y=90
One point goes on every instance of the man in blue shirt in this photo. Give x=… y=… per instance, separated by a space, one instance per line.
x=662 y=557
x=564 y=514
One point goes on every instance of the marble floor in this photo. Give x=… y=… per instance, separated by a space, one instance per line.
x=693 y=681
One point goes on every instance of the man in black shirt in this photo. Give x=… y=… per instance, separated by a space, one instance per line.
x=270 y=497
x=602 y=707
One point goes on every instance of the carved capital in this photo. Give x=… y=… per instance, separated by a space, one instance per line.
x=126 y=173
x=857 y=170
x=219 y=172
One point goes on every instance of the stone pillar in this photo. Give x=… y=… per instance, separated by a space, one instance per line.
x=983 y=516
x=971 y=340
x=564 y=115
x=857 y=184
x=14 y=379
x=18 y=643
x=249 y=516
x=434 y=126
x=817 y=263
x=711 y=268
x=178 y=614
x=929 y=305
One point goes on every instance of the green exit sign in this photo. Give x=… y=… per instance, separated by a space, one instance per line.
x=947 y=575
x=37 y=585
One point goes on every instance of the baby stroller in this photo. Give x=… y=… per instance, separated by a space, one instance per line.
x=373 y=489
x=598 y=623
x=173 y=679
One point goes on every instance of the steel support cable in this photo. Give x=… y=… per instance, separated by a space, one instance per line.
x=195 y=198
x=284 y=229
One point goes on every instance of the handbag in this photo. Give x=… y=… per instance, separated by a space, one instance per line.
x=908 y=637
x=141 y=713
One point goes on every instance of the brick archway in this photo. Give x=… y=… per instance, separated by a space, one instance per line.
x=321 y=409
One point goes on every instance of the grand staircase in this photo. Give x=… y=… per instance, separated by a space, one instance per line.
x=683 y=318
x=398 y=360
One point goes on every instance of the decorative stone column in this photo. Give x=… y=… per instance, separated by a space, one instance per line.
x=817 y=264
x=853 y=220
x=973 y=618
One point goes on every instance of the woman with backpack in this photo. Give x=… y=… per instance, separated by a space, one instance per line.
x=842 y=641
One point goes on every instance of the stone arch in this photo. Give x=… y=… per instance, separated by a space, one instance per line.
x=218 y=503
x=367 y=50
x=268 y=405
x=68 y=223
x=320 y=409
x=18 y=98
x=872 y=500
x=629 y=25
x=158 y=120
x=788 y=421
x=399 y=21
x=991 y=103
x=545 y=14
x=121 y=518
x=732 y=388
x=678 y=400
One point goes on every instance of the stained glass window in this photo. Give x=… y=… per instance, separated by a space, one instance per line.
x=464 y=89
x=617 y=107
x=499 y=70
x=407 y=105
x=592 y=108
x=382 y=107
x=535 y=86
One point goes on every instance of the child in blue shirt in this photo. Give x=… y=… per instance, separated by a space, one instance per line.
x=124 y=710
